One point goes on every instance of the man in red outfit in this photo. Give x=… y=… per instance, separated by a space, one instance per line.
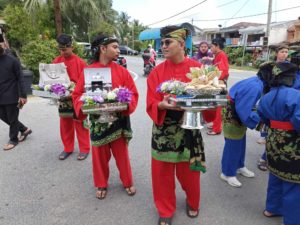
x=68 y=121
x=109 y=139
x=175 y=151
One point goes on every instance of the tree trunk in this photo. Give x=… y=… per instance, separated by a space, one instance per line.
x=58 y=22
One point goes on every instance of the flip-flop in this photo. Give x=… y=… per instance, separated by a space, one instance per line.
x=9 y=146
x=103 y=190
x=212 y=133
x=188 y=211
x=271 y=214
x=167 y=221
x=82 y=156
x=129 y=191
x=63 y=155
x=24 y=135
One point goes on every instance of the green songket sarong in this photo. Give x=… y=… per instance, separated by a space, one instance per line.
x=104 y=133
x=66 y=108
x=171 y=143
x=232 y=125
x=283 y=154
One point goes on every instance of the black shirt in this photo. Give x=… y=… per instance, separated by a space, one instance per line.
x=11 y=80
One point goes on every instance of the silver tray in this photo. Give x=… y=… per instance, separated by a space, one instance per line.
x=198 y=103
x=204 y=91
x=105 y=107
x=47 y=94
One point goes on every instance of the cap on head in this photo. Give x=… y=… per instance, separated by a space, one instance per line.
x=149 y=46
x=64 y=41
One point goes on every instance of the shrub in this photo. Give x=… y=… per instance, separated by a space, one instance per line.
x=42 y=51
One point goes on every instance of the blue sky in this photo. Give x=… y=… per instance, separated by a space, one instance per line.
x=151 y=11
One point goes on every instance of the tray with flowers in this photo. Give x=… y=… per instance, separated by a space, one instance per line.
x=101 y=101
x=203 y=91
x=55 y=91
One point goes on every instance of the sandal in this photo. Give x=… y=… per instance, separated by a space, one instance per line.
x=24 y=135
x=63 y=155
x=210 y=132
x=101 y=193
x=130 y=190
x=262 y=165
x=82 y=156
x=166 y=221
x=189 y=210
x=270 y=215
x=10 y=145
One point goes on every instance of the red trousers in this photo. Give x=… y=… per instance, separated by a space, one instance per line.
x=67 y=132
x=163 y=184
x=101 y=156
x=214 y=116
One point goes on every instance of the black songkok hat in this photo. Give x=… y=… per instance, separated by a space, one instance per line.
x=64 y=41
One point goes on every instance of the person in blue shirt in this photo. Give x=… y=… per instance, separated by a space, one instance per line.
x=280 y=110
x=237 y=116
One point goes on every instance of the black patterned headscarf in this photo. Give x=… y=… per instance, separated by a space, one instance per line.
x=275 y=74
x=101 y=39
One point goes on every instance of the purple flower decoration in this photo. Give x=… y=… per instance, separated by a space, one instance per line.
x=158 y=89
x=58 y=89
x=124 y=95
x=98 y=99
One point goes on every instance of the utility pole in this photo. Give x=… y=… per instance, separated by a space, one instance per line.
x=269 y=18
x=267 y=36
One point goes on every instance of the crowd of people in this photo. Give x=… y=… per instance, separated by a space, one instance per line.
x=176 y=152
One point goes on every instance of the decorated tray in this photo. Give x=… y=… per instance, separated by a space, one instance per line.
x=200 y=102
x=47 y=94
x=104 y=107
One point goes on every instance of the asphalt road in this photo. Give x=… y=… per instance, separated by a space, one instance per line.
x=38 y=189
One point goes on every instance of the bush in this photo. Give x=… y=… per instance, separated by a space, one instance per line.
x=238 y=61
x=258 y=62
x=42 y=51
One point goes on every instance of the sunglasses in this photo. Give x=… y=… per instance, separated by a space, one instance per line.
x=166 y=42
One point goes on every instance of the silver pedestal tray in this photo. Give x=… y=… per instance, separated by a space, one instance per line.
x=194 y=105
x=106 y=111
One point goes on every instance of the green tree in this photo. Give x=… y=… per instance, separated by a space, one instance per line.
x=20 y=27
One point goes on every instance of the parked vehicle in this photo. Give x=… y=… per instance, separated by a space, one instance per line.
x=125 y=50
x=122 y=61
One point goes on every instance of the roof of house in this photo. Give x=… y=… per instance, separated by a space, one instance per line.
x=238 y=26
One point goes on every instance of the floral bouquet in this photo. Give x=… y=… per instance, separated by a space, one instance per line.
x=106 y=101
x=174 y=87
x=56 y=91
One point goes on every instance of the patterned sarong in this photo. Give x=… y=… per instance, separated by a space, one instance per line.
x=65 y=108
x=232 y=125
x=171 y=143
x=283 y=154
x=104 y=133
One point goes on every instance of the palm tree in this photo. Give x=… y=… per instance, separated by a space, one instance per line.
x=73 y=10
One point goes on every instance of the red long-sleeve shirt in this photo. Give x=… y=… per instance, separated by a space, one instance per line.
x=221 y=61
x=163 y=72
x=74 y=66
x=119 y=76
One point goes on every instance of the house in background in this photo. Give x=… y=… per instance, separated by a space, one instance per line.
x=293 y=36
